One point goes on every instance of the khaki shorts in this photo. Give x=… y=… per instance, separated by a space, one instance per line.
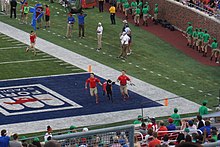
x=32 y=44
x=199 y=42
x=155 y=16
x=93 y=91
x=189 y=37
x=124 y=89
x=216 y=50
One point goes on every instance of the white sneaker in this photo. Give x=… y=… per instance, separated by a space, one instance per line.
x=217 y=62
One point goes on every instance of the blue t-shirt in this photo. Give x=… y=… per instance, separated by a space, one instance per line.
x=81 y=19
x=171 y=127
x=4 y=141
x=208 y=129
x=71 y=20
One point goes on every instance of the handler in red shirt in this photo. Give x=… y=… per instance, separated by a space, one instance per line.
x=93 y=87
x=47 y=16
x=123 y=84
x=33 y=37
x=155 y=141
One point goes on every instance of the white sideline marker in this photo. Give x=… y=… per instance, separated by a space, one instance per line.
x=25 y=61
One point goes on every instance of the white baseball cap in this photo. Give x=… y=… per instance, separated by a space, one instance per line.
x=99 y=23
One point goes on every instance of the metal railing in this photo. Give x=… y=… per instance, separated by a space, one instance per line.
x=122 y=135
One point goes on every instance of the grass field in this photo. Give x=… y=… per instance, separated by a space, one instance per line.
x=153 y=61
x=16 y=63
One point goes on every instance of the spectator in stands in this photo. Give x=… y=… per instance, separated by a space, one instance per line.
x=48 y=135
x=143 y=128
x=207 y=127
x=155 y=141
x=171 y=126
x=203 y=109
x=139 y=120
x=24 y=141
x=189 y=32
x=73 y=129
x=15 y=142
x=115 y=142
x=123 y=140
x=165 y=140
x=52 y=143
x=180 y=138
x=145 y=12
x=200 y=122
x=149 y=136
x=36 y=142
x=85 y=130
x=192 y=128
x=215 y=50
x=4 y=139
x=188 y=138
x=137 y=16
x=153 y=124
x=162 y=128
x=206 y=38
x=176 y=117
x=214 y=135
x=188 y=144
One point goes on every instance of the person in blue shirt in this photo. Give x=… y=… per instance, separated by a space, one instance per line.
x=207 y=127
x=81 y=22
x=4 y=139
x=70 y=23
x=171 y=126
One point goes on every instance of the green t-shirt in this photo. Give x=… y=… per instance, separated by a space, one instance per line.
x=176 y=119
x=206 y=37
x=134 y=4
x=26 y=9
x=123 y=1
x=200 y=35
x=137 y=122
x=126 y=5
x=214 y=137
x=214 y=45
x=195 y=34
x=189 y=30
x=203 y=110
x=145 y=11
x=138 y=11
x=140 y=4
x=156 y=10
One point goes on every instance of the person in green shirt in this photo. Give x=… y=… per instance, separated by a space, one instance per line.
x=203 y=109
x=206 y=38
x=200 y=36
x=139 y=120
x=133 y=7
x=176 y=117
x=26 y=10
x=137 y=16
x=189 y=32
x=195 y=38
x=118 y=5
x=122 y=4
x=126 y=7
x=156 y=10
x=215 y=50
x=145 y=12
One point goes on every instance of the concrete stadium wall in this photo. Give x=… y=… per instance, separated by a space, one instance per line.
x=178 y=14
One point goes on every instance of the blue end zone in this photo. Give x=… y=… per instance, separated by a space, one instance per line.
x=72 y=88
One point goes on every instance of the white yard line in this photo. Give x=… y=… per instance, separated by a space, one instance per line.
x=26 y=61
x=12 y=47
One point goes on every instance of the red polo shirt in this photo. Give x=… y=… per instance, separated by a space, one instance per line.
x=32 y=38
x=47 y=11
x=92 y=82
x=123 y=79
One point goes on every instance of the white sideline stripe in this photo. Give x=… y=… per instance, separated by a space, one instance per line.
x=24 y=61
x=12 y=47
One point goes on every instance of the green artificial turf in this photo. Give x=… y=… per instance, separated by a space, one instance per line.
x=153 y=61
